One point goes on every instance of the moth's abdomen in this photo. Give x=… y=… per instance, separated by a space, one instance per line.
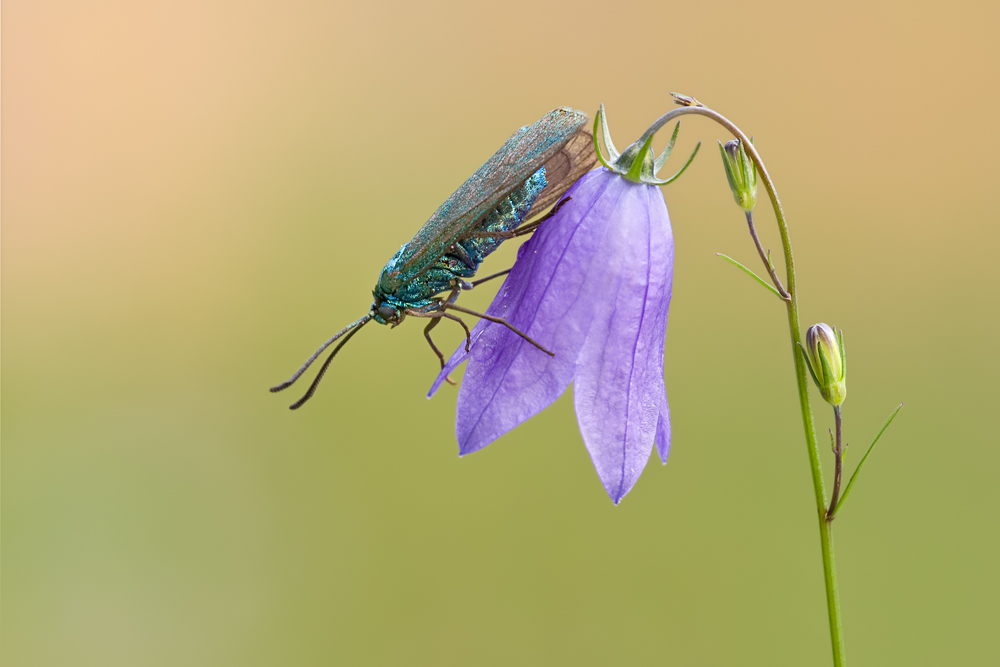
x=506 y=216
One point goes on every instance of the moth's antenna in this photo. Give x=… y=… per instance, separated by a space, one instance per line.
x=354 y=326
x=322 y=371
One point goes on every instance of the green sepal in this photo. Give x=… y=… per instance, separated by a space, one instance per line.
x=606 y=133
x=827 y=371
x=727 y=163
x=843 y=355
x=642 y=164
x=665 y=155
x=686 y=165
x=805 y=355
x=638 y=163
x=600 y=121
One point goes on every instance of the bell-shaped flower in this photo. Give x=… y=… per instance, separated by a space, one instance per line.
x=593 y=286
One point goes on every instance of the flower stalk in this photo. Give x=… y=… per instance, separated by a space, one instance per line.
x=766 y=258
x=838 y=453
x=692 y=107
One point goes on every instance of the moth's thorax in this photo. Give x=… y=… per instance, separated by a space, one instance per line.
x=402 y=287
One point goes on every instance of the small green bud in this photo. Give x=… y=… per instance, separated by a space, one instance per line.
x=741 y=172
x=827 y=362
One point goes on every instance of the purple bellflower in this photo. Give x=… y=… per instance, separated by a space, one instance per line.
x=592 y=285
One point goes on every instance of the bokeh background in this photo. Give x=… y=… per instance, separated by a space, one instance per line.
x=196 y=194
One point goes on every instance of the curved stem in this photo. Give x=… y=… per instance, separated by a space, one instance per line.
x=794 y=328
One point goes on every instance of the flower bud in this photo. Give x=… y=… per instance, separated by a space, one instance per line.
x=827 y=362
x=741 y=172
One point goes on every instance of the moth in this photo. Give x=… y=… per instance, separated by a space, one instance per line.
x=529 y=174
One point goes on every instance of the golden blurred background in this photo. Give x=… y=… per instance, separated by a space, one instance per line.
x=196 y=194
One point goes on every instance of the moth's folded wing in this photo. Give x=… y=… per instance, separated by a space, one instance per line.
x=531 y=147
x=573 y=160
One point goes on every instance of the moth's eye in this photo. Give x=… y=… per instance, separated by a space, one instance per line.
x=387 y=313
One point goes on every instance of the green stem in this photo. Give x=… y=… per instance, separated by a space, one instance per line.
x=764 y=257
x=838 y=453
x=794 y=328
x=832 y=595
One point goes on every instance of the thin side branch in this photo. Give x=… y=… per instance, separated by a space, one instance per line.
x=766 y=258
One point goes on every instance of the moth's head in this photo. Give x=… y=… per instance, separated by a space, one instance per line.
x=386 y=313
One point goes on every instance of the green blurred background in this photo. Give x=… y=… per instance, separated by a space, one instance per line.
x=195 y=194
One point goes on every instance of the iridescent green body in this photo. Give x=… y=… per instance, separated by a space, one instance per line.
x=463 y=258
x=530 y=172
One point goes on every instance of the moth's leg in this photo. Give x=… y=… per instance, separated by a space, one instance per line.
x=451 y=300
x=468 y=334
x=527 y=229
x=500 y=320
x=458 y=250
x=435 y=316
x=448 y=303
x=491 y=277
x=535 y=224
x=427 y=334
x=457 y=285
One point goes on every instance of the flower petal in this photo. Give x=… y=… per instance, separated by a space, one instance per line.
x=592 y=285
x=663 y=429
x=508 y=380
x=618 y=387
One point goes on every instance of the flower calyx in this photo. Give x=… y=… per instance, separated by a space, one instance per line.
x=827 y=361
x=637 y=162
x=741 y=173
